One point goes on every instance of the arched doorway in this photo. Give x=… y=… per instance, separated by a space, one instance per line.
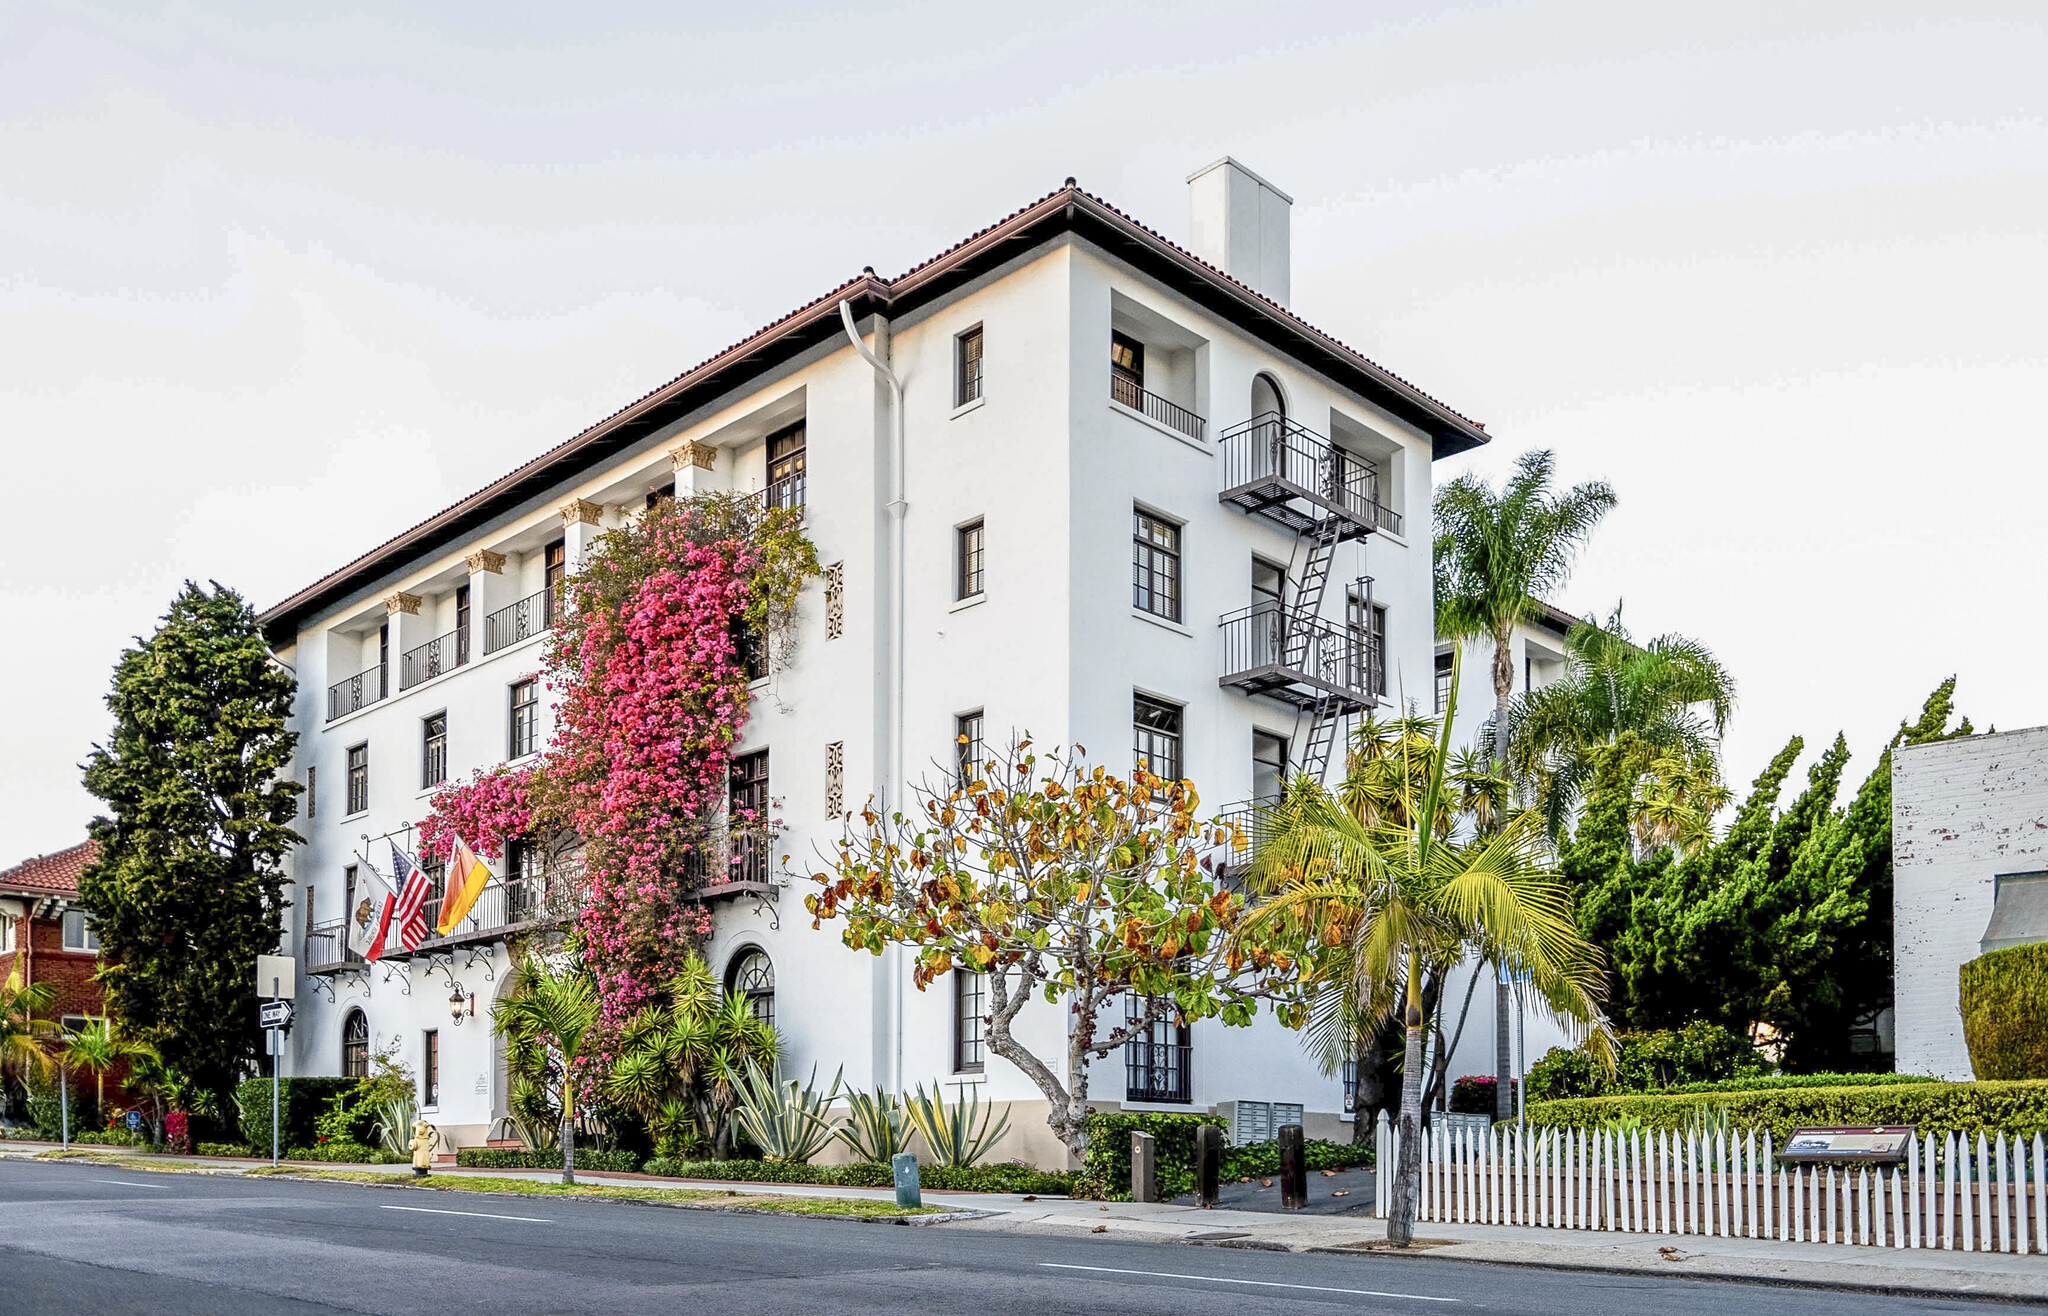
x=752 y=975
x=1267 y=398
x=355 y=1045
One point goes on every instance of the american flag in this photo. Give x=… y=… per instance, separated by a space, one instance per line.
x=413 y=890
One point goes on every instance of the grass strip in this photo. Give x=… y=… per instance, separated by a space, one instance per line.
x=701 y=1198
x=127 y=1162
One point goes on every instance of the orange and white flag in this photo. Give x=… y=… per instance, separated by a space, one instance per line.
x=466 y=878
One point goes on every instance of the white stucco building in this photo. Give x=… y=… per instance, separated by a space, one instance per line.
x=1969 y=875
x=1134 y=503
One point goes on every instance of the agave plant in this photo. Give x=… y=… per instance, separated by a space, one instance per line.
x=876 y=1126
x=394 y=1124
x=786 y=1120
x=683 y=1060
x=952 y=1133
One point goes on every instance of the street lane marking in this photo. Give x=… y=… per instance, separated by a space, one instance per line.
x=1258 y=1283
x=481 y=1215
x=126 y=1183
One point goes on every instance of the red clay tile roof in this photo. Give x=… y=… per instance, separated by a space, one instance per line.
x=50 y=874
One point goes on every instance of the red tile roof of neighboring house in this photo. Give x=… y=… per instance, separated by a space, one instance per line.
x=1068 y=209
x=49 y=874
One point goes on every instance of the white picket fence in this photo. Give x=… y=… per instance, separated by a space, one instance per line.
x=1662 y=1182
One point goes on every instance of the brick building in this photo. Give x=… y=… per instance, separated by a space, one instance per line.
x=44 y=934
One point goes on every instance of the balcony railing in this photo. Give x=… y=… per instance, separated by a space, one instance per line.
x=787 y=492
x=504 y=906
x=358 y=691
x=443 y=653
x=731 y=864
x=1305 y=661
x=522 y=621
x=327 y=947
x=1157 y=1071
x=1272 y=466
x=1125 y=391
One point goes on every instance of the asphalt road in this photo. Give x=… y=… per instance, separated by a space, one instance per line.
x=88 y=1238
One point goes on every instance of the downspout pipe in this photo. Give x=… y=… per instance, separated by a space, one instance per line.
x=897 y=507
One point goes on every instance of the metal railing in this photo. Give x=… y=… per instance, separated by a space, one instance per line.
x=443 y=653
x=732 y=860
x=1270 y=642
x=788 y=492
x=1270 y=449
x=517 y=903
x=327 y=946
x=358 y=691
x=1125 y=392
x=521 y=621
x=1157 y=1071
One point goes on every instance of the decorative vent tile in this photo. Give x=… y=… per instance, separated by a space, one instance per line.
x=835 y=602
x=835 y=779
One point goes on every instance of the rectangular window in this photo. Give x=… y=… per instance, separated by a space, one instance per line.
x=968 y=552
x=6 y=933
x=1157 y=737
x=1444 y=662
x=1367 y=623
x=312 y=793
x=525 y=728
x=748 y=649
x=1269 y=766
x=970 y=993
x=74 y=1024
x=358 y=778
x=434 y=752
x=430 y=1069
x=786 y=462
x=1127 y=370
x=1155 y=565
x=461 y=624
x=554 y=573
x=384 y=660
x=1269 y=584
x=746 y=803
x=666 y=491
x=78 y=933
x=967 y=746
x=967 y=367
x=1156 y=1060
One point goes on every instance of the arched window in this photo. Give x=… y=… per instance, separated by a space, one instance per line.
x=355 y=1046
x=752 y=975
x=1266 y=398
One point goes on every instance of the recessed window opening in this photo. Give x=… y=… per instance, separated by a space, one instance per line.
x=1156 y=737
x=524 y=732
x=970 y=994
x=786 y=467
x=1267 y=399
x=967 y=367
x=752 y=978
x=434 y=751
x=1155 y=565
x=967 y=746
x=1269 y=766
x=355 y=1046
x=359 y=778
x=968 y=553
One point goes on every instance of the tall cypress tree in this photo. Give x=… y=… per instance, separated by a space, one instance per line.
x=188 y=887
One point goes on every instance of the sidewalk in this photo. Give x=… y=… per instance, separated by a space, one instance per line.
x=1914 y=1272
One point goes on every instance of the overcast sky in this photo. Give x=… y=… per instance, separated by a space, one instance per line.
x=272 y=290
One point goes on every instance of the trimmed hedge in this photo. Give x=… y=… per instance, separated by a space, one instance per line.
x=1106 y=1167
x=348 y=1153
x=1255 y=1159
x=301 y=1101
x=1001 y=1178
x=513 y=1158
x=1771 y=1082
x=110 y=1138
x=1700 y=1052
x=1937 y=1108
x=2004 y=998
x=224 y=1149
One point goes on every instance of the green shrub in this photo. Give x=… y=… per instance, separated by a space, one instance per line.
x=750 y=1171
x=1004 y=1178
x=1106 y=1167
x=46 y=1107
x=349 y=1153
x=1937 y=1108
x=225 y=1149
x=513 y=1158
x=1000 y=1178
x=1769 y=1082
x=2005 y=1012
x=1255 y=1159
x=109 y=1138
x=1648 y=1062
x=301 y=1103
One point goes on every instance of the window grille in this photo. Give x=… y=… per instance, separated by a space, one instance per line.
x=968 y=367
x=1155 y=565
x=525 y=726
x=1156 y=737
x=969 y=554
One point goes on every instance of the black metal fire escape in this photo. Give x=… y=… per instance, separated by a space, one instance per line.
x=1285 y=650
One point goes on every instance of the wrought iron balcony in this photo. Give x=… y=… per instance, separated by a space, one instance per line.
x=521 y=621
x=358 y=691
x=787 y=492
x=1275 y=468
x=1125 y=392
x=728 y=866
x=506 y=907
x=1157 y=1071
x=443 y=653
x=1304 y=661
x=327 y=947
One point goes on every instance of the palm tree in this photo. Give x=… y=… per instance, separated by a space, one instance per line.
x=553 y=1012
x=683 y=1059
x=97 y=1048
x=26 y=1041
x=1671 y=695
x=1376 y=903
x=1498 y=556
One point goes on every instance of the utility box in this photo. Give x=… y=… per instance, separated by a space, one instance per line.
x=1144 y=1167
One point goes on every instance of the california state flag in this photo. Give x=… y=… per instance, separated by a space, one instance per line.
x=466 y=878
x=370 y=921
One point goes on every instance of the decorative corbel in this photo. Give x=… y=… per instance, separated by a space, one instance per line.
x=700 y=455
x=400 y=601
x=581 y=509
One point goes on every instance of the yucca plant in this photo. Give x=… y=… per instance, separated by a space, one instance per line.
x=952 y=1133
x=876 y=1126
x=394 y=1124
x=787 y=1120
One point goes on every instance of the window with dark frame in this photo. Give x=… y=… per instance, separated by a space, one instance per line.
x=1269 y=584
x=1156 y=737
x=967 y=746
x=752 y=978
x=970 y=994
x=554 y=572
x=1269 y=766
x=1367 y=622
x=358 y=778
x=1445 y=661
x=434 y=751
x=384 y=660
x=525 y=724
x=967 y=367
x=786 y=463
x=666 y=491
x=1156 y=1065
x=1155 y=565
x=355 y=1046
x=968 y=551
x=747 y=803
x=461 y=624
x=348 y=912
x=1126 y=370
x=430 y=1069
x=747 y=648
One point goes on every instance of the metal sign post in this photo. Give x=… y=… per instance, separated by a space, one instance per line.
x=280 y=973
x=276 y=1056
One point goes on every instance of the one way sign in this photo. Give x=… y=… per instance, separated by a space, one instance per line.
x=274 y=1014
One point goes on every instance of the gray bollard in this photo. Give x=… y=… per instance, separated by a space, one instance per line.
x=1144 y=1167
x=1293 y=1169
x=907 y=1194
x=1208 y=1163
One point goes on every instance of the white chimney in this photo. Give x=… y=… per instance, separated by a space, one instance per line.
x=1239 y=225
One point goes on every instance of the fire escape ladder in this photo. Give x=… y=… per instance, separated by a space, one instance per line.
x=1322 y=736
x=1308 y=591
